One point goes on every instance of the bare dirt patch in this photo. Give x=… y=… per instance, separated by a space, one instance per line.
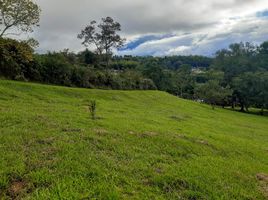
x=151 y=133
x=159 y=170
x=263 y=180
x=145 y=134
x=148 y=134
x=71 y=130
x=179 y=117
x=262 y=177
x=16 y=188
x=46 y=141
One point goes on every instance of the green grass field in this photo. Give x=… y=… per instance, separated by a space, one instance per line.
x=144 y=145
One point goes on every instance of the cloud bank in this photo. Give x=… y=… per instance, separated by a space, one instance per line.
x=157 y=27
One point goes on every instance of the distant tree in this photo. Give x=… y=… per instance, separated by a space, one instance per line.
x=69 y=56
x=161 y=77
x=263 y=49
x=184 y=83
x=22 y=15
x=89 y=57
x=251 y=89
x=104 y=36
x=213 y=93
x=215 y=75
x=262 y=100
x=238 y=59
x=244 y=89
x=33 y=43
x=124 y=64
x=262 y=60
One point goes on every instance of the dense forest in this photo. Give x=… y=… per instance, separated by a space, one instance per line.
x=237 y=76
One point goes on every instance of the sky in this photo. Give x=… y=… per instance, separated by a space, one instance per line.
x=156 y=27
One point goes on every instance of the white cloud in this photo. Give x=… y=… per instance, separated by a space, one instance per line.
x=207 y=42
x=209 y=23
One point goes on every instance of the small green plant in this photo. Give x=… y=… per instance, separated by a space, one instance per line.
x=92 y=109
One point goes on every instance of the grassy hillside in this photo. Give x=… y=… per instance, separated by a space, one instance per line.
x=145 y=145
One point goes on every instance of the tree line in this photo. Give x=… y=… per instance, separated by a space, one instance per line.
x=236 y=76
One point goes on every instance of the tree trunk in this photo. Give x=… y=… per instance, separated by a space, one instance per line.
x=233 y=105
x=107 y=56
x=262 y=110
x=2 y=33
x=5 y=29
x=242 y=108
x=107 y=60
x=213 y=106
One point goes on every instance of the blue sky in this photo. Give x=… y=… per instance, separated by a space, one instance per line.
x=262 y=13
x=156 y=27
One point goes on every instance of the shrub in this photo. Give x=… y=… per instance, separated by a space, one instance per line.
x=92 y=109
x=15 y=58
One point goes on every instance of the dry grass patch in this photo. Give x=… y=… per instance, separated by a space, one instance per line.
x=263 y=179
x=100 y=131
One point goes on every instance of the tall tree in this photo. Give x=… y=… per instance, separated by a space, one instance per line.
x=251 y=89
x=104 y=36
x=18 y=15
x=262 y=59
x=246 y=89
x=263 y=91
x=238 y=59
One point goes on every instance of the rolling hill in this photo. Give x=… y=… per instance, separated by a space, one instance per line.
x=144 y=145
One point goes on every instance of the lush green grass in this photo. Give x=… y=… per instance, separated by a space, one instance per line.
x=145 y=145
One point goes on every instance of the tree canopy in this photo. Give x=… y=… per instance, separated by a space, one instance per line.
x=18 y=15
x=104 y=36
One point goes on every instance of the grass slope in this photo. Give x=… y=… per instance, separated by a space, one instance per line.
x=146 y=145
